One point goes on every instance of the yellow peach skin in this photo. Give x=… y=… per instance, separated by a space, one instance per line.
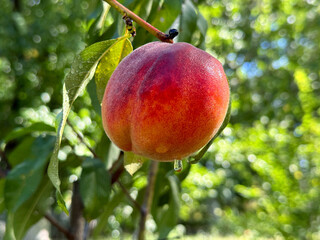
x=165 y=101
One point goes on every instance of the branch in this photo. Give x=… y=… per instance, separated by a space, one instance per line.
x=59 y=227
x=147 y=26
x=134 y=202
x=81 y=138
x=147 y=199
x=77 y=220
x=117 y=169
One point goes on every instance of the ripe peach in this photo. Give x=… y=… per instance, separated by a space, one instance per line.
x=165 y=101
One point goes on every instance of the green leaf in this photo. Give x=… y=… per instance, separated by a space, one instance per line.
x=21 y=152
x=166 y=14
x=2 y=203
x=108 y=64
x=32 y=210
x=92 y=90
x=9 y=233
x=170 y=216
x=35 y=127
x=202 y=25
x=96 y=25
x=24 y=179
x=81 y=72
x=145 y=8
x=103 y=149
x=188 y=21
x=61 y=202
x=107 y=211
x=95 y=187
x=132 y=162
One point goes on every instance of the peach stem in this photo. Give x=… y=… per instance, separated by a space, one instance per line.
x=147 y=26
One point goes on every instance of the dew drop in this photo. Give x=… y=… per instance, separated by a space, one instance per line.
x=177 y=165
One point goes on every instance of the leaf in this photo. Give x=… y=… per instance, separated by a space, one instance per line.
x=145 y=8
x=35 y=127
x=166 y=14
x=108 y=64
x=95 y=187
x=102 y=149
x=61 y=202
x=2 y=203
x=107 y=211
x=92 y=90
x=96 y=25
x=9 y=233
x=132 y=162
x=21 y=152
x=188 y=21
x=32 y=210
x=169 y=218
x=202 y=25
x=77 y=79
x=24 y=179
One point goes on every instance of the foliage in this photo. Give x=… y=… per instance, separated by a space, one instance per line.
x=261 y=176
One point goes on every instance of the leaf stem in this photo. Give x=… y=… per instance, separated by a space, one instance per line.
x=147 y=26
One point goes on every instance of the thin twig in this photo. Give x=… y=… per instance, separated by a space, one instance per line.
x=147 y=199
x=147 y=26
x=63 y=230
x=117 y=168
x=81 y=138
x=134 y=202
x=117 y=163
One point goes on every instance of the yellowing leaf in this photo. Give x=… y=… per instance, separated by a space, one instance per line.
x=108 y=64
x=133 y=162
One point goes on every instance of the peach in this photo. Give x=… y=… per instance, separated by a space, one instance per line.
x=165 y=101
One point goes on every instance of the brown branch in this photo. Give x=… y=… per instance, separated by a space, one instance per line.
x=134 y=202
x=81 y=138
x=61 y=229
x=117 y=168
x=147 y=26
x=77 y=220
x=117 y=163
x=148 y=197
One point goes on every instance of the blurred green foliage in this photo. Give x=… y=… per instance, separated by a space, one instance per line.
x=260 y=178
